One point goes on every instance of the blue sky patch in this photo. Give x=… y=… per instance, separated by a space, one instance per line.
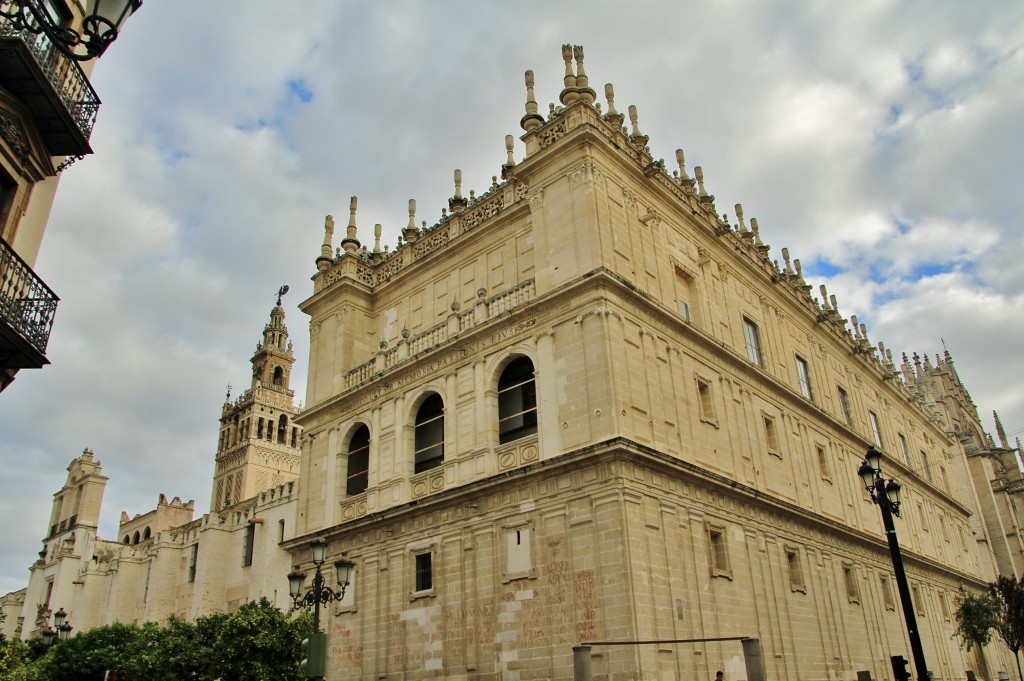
x=298 y=89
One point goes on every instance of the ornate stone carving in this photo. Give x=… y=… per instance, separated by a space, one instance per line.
x=552 y=134
x=14 y=135
x=536 y=200
x=431 y=242
x=586 y=171
x=480 y=215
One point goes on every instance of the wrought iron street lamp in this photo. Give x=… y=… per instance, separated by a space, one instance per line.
x=320 y=592
x=99 y=27
x=61 y=627
x=886 y=493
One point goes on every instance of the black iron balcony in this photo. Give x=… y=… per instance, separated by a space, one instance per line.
x=27 y=307
x=53 y=87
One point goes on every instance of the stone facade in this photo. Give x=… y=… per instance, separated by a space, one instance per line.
x=698 y=421
x=583 y=407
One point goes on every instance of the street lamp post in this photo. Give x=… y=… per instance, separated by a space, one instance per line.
x=887 y=495
x=61 y=627
x=317 y=594
x=99 y=28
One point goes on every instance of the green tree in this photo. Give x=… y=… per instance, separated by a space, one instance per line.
x=976 y=616
x=1010 y=626
x=258 y=642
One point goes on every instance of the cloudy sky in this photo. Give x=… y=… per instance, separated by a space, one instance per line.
x=881 y=141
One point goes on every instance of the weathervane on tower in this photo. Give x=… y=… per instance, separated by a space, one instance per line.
x=280 y=292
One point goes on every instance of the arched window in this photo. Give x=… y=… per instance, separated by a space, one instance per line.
x=428 y=450
x=358 y=462
x=127 y=539
x=517 y=401
x=135 y=537
x=146 y=534
x=282 y=427
x=278 y=376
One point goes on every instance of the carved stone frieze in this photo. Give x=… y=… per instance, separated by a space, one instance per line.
x=431 y=242
x=14 y=135
x=483 y=213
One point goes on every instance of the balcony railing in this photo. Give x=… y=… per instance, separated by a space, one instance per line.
x=26 y=304
x=55 y=82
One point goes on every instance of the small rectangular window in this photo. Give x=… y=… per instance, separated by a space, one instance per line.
x=753 y=342
x=852 y=588
x=684 y=310
x=706 y=402
x=886 y=589
x=844 y=407
x=718 y=552
x=796 y=573
x=424 y=571
x=823 y=466
x=805 y=377
x=943 y=606
x=926 y=466
x=772 y=435
x=915 y=595
x=876 y=430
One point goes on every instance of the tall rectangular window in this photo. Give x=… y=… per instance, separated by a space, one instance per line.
x=823 y=466
x=926 y=465
x=886 y=588
x=903 y=449
x=705 y=401
x=876 y=431
x=250 y=541
x=805 y=376
x=844 y=407
x=753 y=341
x=424 y=579
x=771 y=435
x=852 y=589
x=796 y=573
x=718 y=552
x=192 y=560
x=686 y=294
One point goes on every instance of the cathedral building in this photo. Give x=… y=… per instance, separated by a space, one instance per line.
x=582 y=407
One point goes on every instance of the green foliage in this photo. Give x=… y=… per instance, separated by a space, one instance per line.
x=1010 y=627
x=257 y=642
x=976 y=616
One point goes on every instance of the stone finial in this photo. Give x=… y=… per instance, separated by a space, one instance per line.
x=834 y=301
x=585 y=92
x=684 y=178
x=1000 y=433
x=324 y=261
x=569 y=94
x=613 y=117
x=350 y=243
x=410 y=233
x=510 y=142
x=637 y=139
x=824 y=298
x=376 y=238
x=739 y=217
x=798 y=268
x=457 y=202
x=756 y=231
x=856 y=327
x=532 y=119
x=698 y=172
x=864 y=333
x=785 y=259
